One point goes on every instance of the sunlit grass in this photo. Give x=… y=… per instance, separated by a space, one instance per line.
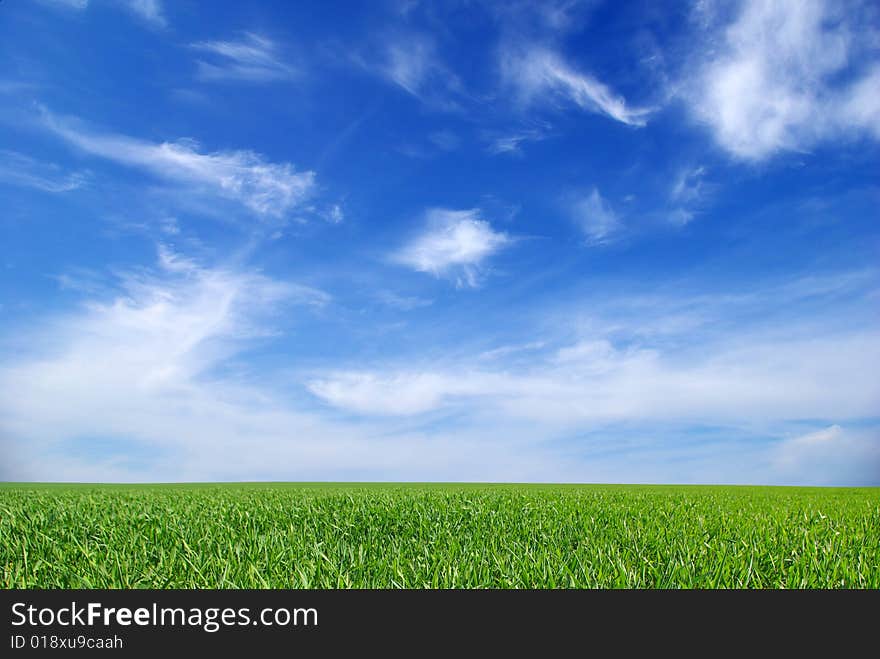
x=437 y=536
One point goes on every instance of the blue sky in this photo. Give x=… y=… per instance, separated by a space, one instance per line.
x=557 y=241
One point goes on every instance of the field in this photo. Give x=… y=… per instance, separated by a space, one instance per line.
x=274 y=535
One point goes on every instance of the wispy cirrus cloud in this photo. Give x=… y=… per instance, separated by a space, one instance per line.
x=780 y=76
x=506 y=351
x=252 y=58
x=454 y=244
x=409 y=62
x=537 y=74
x=507 y=143
x=21 y=170
x=401 y=302
x=412 y=62
x=511 y=142
x=151 y=12
x=70 y=4
x=547 y=17
x=166 y=326
x=265 y=188
x=594 y=216
x=688 y=194
x=445 y=140
x=689 y=185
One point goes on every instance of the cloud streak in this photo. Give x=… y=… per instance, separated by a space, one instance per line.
x=824 y=456
x=21 y=170
x=688 y=194
x=594 y=216
x=511 y=143
x=150 y=12
x=252 y=58
x=265 y=188
x=598 y=381
x=411 y=61
x=538 y=75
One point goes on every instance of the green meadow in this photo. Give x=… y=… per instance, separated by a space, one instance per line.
x=279 y=535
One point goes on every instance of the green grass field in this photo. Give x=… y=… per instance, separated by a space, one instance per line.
x=276 y=535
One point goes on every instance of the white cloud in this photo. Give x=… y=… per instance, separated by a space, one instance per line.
x=829 y=456
x=549 y=18
x=559 y=15
x=688 y=193
x=688 y=186
x=81 y=280
x=815 y=440
x=594 y=382
x=253 y=58
x=454 y=243
x=395 y=393
x=510 y=143
x=335 y=215
x=507 y=144
x=597 y=355
x=150 y=11
x=505 y=351
x=169 y=226
x=402 y=302
x=19 y=169
x=539 y=75
x=751 y=359
x=151 y=383
x=680 y=216
x=410 y=60
x=70 y=4
x=147 y=385
x=860 y=107
x=595 y=217
x=785 y=76
x=163 y=330
x=445 y=140
x=266 y=188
